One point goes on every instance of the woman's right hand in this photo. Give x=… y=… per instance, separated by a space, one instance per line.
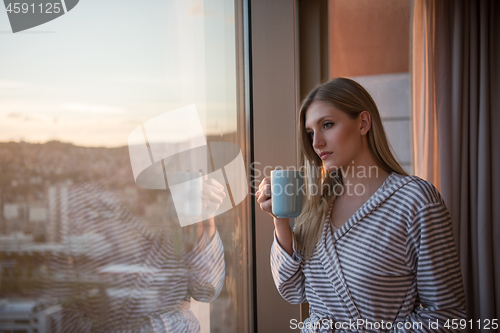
x=282 y=227
x=263 y=196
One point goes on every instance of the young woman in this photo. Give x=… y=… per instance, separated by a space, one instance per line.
x=373 y=248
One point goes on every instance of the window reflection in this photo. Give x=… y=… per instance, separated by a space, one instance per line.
x=113 y=273
x=82 y=246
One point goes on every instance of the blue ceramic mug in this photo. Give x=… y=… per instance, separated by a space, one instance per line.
x=286 y=193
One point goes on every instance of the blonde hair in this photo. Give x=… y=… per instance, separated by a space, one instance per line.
x=351 y=98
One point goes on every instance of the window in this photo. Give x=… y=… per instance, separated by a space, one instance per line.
x=75 y=91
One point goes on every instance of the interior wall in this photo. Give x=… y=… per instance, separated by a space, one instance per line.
x=369 y=41
x=368 y=37
x=274 y=91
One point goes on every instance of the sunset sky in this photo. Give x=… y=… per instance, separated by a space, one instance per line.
x=94 y=74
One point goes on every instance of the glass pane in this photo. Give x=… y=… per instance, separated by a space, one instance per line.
x=123 y=187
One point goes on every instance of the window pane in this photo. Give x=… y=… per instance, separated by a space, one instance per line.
x=121 y=137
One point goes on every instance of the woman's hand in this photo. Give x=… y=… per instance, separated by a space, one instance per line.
x=263 y=196
x=212 y=197
x=281 y=225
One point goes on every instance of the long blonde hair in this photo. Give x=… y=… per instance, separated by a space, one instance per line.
x=351 y=98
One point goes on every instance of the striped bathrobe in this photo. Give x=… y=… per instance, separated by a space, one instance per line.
x=394 y=261
x=124 y=278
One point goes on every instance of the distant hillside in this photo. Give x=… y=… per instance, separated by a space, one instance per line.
x=26 y=169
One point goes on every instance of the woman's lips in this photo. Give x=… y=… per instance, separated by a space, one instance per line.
x=324 y=156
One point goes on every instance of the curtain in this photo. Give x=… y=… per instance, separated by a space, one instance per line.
x=425 y=151
x=456 y=110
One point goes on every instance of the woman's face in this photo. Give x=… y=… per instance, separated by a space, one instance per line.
x=337 y=139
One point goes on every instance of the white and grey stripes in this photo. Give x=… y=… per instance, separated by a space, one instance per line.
x=128 y=279
x=394 y=261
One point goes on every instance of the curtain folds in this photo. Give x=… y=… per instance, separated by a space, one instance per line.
x=423 y=64
x=456 y=111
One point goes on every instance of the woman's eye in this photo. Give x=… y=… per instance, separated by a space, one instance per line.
x=327 y=125
x=310 y=134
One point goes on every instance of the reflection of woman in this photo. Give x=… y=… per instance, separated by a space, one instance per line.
x=130 y=278
x=373 y=246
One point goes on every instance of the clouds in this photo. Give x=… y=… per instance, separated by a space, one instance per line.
x=23 y=117
x=94 y=108
x=91 y=85
x=10 y=84
x=196 y=9
x=81 y=123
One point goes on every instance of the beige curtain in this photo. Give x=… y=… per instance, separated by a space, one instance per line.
x=456 y=112
x=423 y=64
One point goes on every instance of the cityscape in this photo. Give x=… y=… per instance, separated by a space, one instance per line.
x=75 y=226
